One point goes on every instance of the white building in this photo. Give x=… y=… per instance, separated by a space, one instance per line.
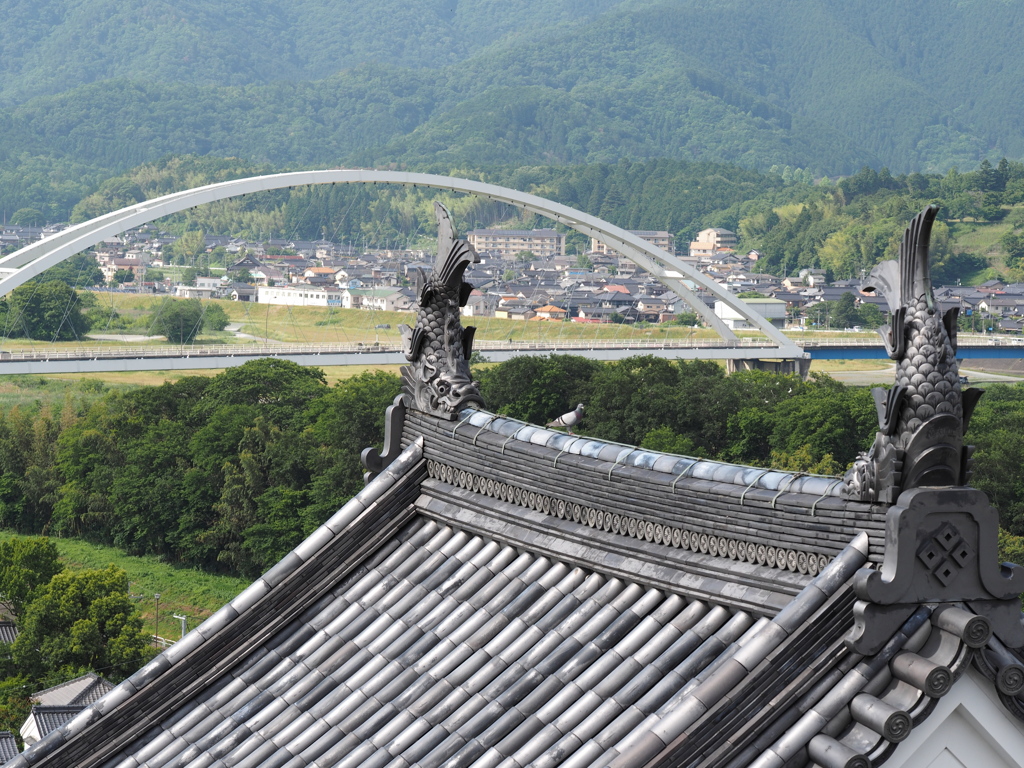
x=774 y=310
x=300 y=295
x=377 y=299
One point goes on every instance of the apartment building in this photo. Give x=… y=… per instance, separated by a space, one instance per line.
x=506 y=243
x=659 y=238
x=711 y=240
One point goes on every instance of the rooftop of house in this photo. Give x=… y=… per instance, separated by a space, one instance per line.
x=80 y=691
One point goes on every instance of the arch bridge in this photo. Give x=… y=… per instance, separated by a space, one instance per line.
x=33 y=259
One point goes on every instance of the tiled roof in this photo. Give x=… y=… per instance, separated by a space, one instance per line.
x=81 y=691
x=51 y=717
x=488 y=629
x=8 y=746
x=8 y=632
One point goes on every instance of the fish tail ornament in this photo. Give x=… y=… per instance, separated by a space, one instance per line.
x=923 y=417
x=437 y=379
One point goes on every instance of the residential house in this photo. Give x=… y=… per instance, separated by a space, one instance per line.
x=267 y=275
x=1002 y=305
x=247 y=262
x=319 y=275
x=597 y=314
x=651 y=305
x=481 y=304
x=242 y=292
x=53 y=707
x=195 y=292
x=515 y=310
x=378 y=299
x=550 y=312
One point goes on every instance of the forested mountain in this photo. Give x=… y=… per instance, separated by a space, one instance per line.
x=53 y=45
x=826 y=85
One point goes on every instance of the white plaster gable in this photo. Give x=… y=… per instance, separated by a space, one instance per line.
x=969 y=728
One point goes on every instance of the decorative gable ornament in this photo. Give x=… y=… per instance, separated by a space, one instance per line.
x=437 y=379
x=941 y=535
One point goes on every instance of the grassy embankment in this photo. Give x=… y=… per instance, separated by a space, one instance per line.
x=303 y=325
x=184 y=591
x=983 y=239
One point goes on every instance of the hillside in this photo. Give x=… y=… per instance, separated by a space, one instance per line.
x=818 y=84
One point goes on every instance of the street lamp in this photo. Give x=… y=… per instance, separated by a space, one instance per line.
x=184 y=623
x=156 y=628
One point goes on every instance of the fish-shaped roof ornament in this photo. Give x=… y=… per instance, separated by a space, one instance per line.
x=923 y=417
x=437 y=379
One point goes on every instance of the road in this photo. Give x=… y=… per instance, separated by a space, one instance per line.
x=887 y=375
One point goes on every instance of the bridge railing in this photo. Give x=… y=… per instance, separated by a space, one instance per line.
x=963 y=339
x=481 y=345
x=258 y=350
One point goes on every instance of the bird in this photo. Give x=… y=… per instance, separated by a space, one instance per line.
x=569 y=420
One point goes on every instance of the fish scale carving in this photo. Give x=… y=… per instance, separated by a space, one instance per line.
x=929 y=371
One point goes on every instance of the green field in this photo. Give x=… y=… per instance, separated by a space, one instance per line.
x=318 y=325
x=183 y=591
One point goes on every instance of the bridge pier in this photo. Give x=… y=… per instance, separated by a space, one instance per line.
x=800 y=366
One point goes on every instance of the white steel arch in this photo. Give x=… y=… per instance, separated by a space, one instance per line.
x=27 y=262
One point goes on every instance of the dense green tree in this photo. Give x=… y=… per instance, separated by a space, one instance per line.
x=1013 y=243
x=47 y=311
x=538 y=389
x=25 y=566
x=81 y=621
x=280 y=388
x=215 y=318
x=78 y=271
x=665 y=440
x=345 y=420
x=627 y=398
x=188 y=247
x=15 y=704
x=997 y=430
x=30 y=217
x=180 y=320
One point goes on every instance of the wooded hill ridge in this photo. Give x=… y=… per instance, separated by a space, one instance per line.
x=823 y=85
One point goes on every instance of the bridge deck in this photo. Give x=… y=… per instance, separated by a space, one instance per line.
x=166 y=357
